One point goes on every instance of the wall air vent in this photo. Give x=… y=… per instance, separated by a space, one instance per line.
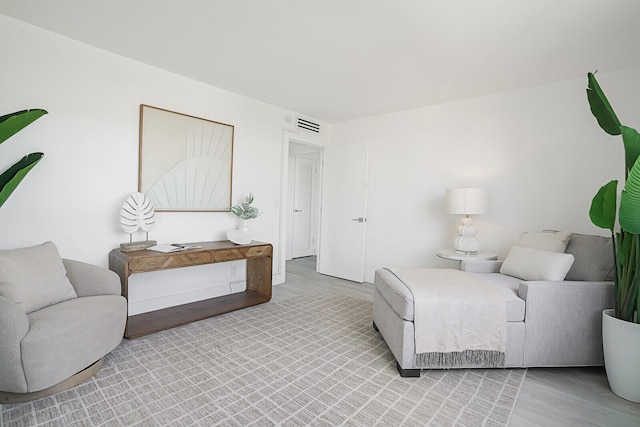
x=308 y=125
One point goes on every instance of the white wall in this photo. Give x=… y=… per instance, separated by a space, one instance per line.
x=538 y=150
x=90 y=140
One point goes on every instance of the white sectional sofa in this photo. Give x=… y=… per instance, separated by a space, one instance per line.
x=549 y=322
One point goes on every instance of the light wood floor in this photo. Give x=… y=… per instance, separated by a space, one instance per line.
x=549 y=397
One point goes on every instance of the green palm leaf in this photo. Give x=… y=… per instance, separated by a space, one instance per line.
x=10 y=179
x=603 y=206
x=601 y=108
x=631 y=140
x=11 y=124
x=630 y=201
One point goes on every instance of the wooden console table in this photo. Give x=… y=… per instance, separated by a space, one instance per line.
x=259 y=263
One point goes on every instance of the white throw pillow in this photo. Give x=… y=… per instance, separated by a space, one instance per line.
x=554 y=241
x=34 y=277
x=535 y=264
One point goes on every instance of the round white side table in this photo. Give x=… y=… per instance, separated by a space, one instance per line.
x=457 y=256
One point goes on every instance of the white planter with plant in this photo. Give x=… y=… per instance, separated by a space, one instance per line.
x=621 y=331
x=245 y=212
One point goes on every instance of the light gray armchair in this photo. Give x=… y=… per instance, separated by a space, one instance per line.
x=50 y=345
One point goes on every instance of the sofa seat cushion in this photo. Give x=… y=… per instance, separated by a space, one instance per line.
x=95 y=325
x=509 y=287
x=400 y=298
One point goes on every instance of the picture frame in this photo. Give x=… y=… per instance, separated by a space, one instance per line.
x=185 y=162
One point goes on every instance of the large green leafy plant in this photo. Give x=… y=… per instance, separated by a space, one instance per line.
x=626 y=247
x=11 y=124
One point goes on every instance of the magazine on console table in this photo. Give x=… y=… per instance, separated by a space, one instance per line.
x=174 y=247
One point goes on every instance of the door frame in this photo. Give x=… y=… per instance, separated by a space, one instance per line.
x=289 y=137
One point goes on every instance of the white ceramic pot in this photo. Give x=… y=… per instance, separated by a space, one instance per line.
x=244 y=227
x=240 y=235
x=621 y=345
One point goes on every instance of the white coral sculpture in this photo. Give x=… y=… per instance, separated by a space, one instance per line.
x=137 y=214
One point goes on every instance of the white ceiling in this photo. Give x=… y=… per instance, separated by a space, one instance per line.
x=336 y=60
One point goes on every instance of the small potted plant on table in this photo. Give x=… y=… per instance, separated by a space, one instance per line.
x=244 y=211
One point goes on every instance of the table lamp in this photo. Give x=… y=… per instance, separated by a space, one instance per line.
x=467 y=201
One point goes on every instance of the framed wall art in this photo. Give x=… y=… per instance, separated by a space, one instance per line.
x=185 y=162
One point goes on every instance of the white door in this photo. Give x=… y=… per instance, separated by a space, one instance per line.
x=344 y=212
x=302 y=239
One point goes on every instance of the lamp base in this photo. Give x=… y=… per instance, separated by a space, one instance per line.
x=466 y=242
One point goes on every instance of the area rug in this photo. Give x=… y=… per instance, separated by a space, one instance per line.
x=310 y=360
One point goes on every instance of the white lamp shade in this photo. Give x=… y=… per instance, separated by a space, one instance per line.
x=468 y=201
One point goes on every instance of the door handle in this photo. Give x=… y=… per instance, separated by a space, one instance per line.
x=359 y=219
x=297 y=210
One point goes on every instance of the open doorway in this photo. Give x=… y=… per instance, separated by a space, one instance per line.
x=340 y=247
x=296 y=147
x=303 y=201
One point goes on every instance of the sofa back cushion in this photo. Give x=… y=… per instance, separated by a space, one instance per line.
x=555 y=241
x=535 y=264
x=593 y=258
x=34 y=277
